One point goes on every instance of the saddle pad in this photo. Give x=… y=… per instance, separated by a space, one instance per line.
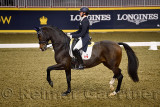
x=85 y=55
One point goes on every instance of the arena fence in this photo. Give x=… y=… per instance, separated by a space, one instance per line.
x=152 y=45
x=77 y=3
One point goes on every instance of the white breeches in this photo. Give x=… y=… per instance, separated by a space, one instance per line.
x=78 y=45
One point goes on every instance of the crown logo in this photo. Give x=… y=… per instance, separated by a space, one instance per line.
x=43 y=20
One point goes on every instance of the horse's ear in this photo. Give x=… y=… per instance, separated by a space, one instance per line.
x=37 y=29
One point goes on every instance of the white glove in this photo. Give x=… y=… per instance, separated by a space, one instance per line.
x=69 y=35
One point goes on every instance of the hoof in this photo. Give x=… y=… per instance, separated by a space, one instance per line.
x=51 y=83
x=66 y=93
x=111 y=88
x=112 y=94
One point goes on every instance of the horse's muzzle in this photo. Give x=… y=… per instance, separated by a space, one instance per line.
x=43 y=47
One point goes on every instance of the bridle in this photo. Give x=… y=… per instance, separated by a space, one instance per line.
x=46 y=42
x=41 y=42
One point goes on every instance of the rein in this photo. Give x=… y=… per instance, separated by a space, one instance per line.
x=46 y=42
x=41 y=42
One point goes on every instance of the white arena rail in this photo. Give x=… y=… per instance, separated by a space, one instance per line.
x=36 y=45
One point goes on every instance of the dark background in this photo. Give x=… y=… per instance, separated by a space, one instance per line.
x=27 y=20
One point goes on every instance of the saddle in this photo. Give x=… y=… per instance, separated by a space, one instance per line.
x=85 y=55
x=73 y=42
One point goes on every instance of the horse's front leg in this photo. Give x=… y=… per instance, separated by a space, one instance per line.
x=68 y=77
x=54 y=67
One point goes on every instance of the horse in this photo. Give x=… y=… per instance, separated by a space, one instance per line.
x=107 y=52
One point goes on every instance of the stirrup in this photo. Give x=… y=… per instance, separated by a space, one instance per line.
x=80 y=67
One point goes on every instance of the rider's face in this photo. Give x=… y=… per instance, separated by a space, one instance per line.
x=81 y=14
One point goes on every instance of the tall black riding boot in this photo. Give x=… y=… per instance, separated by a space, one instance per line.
x=79 y=58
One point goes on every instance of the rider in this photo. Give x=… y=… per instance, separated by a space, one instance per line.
x=83 y=36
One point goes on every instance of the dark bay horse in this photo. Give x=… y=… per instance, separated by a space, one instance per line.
x=107 y=52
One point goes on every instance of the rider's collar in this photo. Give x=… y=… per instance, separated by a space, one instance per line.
x=83 y=18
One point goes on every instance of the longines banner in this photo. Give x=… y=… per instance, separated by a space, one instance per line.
x=69 y=20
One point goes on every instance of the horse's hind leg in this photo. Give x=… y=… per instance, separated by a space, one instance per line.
x=119 y=76
x=111 y=83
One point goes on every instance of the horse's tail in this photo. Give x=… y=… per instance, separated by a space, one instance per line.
x=133 y=62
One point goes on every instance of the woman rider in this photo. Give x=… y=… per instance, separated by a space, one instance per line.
x=82 y=35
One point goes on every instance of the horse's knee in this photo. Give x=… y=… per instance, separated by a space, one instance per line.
x=48 y=75
x=49 y=68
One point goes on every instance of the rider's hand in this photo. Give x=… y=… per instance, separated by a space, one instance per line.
x=69 y=35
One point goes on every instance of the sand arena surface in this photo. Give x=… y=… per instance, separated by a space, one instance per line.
x=23 y=77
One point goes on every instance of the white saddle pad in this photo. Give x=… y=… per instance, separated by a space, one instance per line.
x=85 y=55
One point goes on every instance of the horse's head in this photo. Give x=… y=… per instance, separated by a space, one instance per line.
x=42 y=36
